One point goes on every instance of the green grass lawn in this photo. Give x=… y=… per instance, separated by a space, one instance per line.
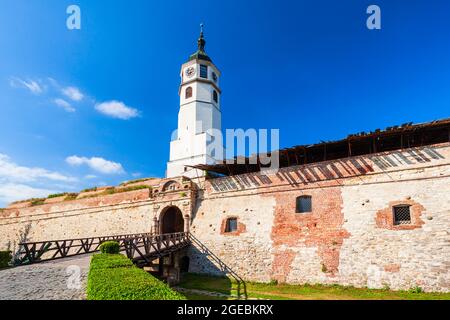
x=298 y=292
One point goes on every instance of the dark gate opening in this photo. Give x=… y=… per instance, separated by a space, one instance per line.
x=184 y=264
x=172 y=221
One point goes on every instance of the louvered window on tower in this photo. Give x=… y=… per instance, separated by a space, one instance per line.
x=204 y=71
x=402 y=215
x=303 y=204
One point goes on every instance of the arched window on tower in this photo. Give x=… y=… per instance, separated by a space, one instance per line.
x=188 y=92
x=215 y=96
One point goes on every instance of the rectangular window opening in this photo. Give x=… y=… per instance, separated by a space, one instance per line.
x=231 y=225
x=402 y=215
x=303 y=204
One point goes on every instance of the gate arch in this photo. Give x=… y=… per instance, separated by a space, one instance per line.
x=171 y=220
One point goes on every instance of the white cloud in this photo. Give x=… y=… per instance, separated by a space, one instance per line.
x=10 y=171
x=72 y=93
x=136 y=174
x=117 y=109
x=20 y=182
x=64 y=104
x=11 y=192
x=32 y=85
x=96 y=163
x=90 y=176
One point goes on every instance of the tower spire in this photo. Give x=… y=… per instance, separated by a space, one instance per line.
x=200 y=54
x=201 y=40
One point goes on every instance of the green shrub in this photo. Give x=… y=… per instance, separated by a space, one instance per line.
x=90 y=189
x=134 y=181
x=71 y=196
x=112 y=190
x=114 y=277
x=416 y=290
x=133 y=188
x=5 y=259
x=109 y=261
x=37 y=202
x=56 y=195
x=110 y=247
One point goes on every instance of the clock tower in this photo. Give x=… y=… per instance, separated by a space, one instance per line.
x=199 y=117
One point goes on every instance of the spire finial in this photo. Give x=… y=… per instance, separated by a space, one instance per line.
x=201 y=41
x=200 y=54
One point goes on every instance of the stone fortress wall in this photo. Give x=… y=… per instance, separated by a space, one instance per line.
x=93 y=214
x=348 y=238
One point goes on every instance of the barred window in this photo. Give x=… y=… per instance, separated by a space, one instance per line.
x=303 y=204
x=402 y=215
x=231 y=225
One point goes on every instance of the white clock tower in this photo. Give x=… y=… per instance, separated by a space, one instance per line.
x=199 y=113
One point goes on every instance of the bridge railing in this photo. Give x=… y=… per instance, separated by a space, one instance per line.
x=143 y=249
x=35 y=252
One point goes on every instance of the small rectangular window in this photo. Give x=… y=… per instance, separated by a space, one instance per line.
x=303 y=204
x=402 y=215
x=231 y=225
x=204 y=71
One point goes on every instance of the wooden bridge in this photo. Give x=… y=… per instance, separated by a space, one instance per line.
x=141 y=248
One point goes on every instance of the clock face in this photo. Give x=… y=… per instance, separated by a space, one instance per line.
x=214 y=75
x=190 y=72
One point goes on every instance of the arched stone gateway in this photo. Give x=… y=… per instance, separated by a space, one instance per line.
x=171 y=220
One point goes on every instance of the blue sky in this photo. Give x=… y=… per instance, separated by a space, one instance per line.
x=97 y=106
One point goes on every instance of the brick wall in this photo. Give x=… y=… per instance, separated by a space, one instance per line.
x=348 y=238
x=342 y=240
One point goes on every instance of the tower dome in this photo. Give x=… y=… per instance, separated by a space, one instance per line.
x=200 y=54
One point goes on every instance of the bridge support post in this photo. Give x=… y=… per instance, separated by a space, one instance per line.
x=155 y=225
x=186 y=223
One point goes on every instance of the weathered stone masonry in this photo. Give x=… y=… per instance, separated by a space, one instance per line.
x=348 y=238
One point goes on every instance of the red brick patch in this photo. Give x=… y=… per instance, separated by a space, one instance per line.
x=385 y=217
x=322 y=228
x=241 y=228
x=392 y=267
x=282 y=265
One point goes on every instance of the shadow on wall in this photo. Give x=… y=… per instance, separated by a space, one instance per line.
x=200 y=264
x=330 y=170
x=205 y=261
x=409 y=157
x=15 y=247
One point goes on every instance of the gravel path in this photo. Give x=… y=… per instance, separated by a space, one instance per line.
x=63 y=279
